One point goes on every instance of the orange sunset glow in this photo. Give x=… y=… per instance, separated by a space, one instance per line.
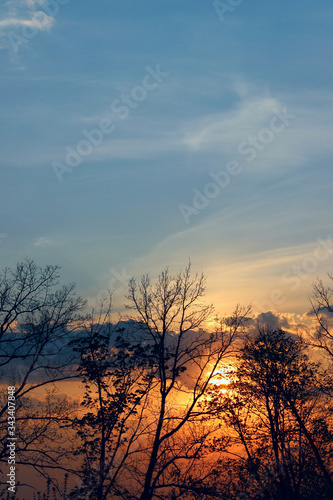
x=166 y=250
x=222 y=378
x=130 y=405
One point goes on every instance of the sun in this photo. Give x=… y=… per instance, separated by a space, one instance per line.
x=222 y=378
x=212 y=322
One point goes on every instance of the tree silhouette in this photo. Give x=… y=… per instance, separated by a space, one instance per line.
x=170 y=408
x=143 y=433
x=171 y=314
x=36 y=318
x=282 y=431
x=116 y=377
x=322 y=308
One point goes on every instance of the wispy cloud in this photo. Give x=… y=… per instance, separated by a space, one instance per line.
x=40 y=21
x=43 y=242
x=308 y=135
x=21 y=20
x=229 y=127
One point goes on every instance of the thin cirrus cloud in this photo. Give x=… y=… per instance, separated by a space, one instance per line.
x=41 y=22
x=307 y=135
x=24 y=14
x=43 y=242
x=213 y=248
x=229 y=127
x=221 y=134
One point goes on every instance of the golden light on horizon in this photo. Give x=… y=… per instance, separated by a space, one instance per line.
x=222 y=378
x=212 y=322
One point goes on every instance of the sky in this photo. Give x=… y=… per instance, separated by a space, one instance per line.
x=137 y=135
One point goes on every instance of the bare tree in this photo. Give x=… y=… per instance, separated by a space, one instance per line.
x=171 y=316
x=322 y=308
x=143 y=433
x=116 y=376
x=283 y=434
x=36 y=319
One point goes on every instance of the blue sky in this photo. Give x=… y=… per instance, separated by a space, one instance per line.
x=66 y=65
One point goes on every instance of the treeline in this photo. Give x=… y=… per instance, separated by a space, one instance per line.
x=168 y=408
